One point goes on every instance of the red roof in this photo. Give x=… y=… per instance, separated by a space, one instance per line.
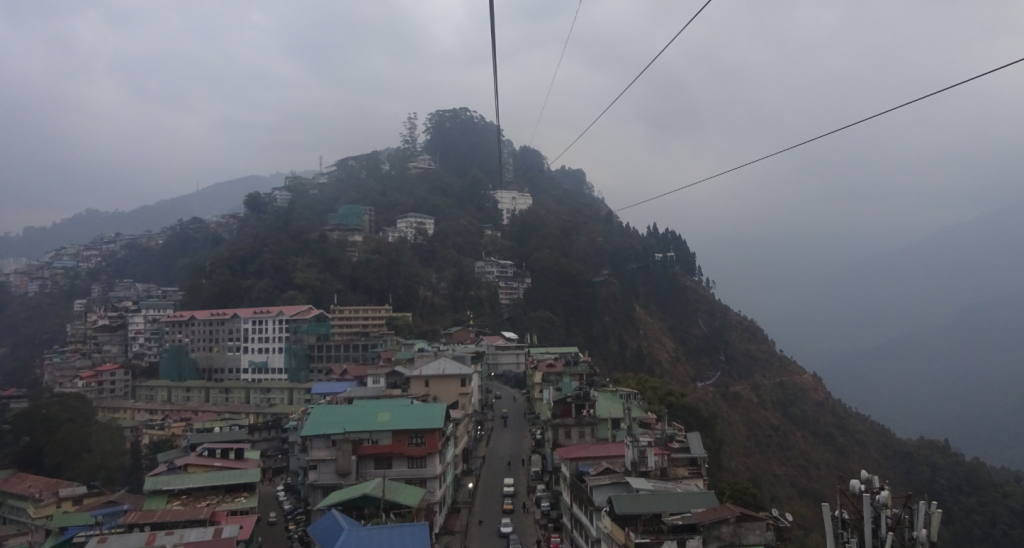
x=493 y=339
x=87 y=374
x=602 y=450
x=248 y=523
x=27 y=485
x=168 y=516
x=296 y=311
x=356 y=370
x=107 y=367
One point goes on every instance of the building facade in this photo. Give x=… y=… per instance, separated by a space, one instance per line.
x=251 y=344
x=511 y=202
x=510 y=281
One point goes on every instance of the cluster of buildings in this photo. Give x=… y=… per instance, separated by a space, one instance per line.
x=510 y=281
x=113 y=330
x=57 y=267
x=618 y=476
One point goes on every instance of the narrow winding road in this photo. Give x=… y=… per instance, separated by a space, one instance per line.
x=508 y=445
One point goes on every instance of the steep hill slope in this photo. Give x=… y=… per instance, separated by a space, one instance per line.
x=215 y=199
x=596 y=284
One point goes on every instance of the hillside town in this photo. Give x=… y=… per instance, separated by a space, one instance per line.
x=294 y=426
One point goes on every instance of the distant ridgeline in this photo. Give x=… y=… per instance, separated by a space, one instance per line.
x=635 y=301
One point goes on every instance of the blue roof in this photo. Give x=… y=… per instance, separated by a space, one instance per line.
x=336 y=387
x=336 y=530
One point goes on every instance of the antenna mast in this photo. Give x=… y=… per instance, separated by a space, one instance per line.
x=497 y=111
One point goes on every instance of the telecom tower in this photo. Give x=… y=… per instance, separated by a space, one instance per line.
x=869 y=515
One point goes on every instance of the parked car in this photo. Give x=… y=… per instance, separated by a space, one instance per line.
x=272 y=518
x=513 y=541
x=505 y=527
x=508 y=487
x=507 y=507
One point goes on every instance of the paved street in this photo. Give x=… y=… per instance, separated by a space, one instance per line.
x=507 y=444
x=274 y=536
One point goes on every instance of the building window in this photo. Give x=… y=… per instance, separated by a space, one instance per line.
x=382 y=463
x=422 y=484
x=567 y=434
x=417 y=462
x=312 y=467
x=583 y=434
x=426 y=383
x=417 y=439
x=462 y=382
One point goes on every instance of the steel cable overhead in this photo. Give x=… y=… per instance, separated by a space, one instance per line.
x=823 y=135
x=555 y=75
x=631 y=83
x=497 y=111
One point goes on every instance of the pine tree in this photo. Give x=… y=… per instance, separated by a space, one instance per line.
x=411 y=137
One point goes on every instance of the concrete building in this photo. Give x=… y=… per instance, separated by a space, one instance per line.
x=28 y=502
x=510 y=281
x=411 y=226
x=511 y=202
x=106 y=381
x=253 y=344
x=349 y=322
x=449 y=381
x=502 y=354
x=395 y=439
x=145 y=336
x=267 y=393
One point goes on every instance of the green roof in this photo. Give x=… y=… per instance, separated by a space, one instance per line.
x=205 y=479
x=640 y=504
x=155 y=501
x=396 y=492
x=555 y=350
x=253 y=453
x=71 y=519
x=609 y=406
x=160 y=383
x=374 y=416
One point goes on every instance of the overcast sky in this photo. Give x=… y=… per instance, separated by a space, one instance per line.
x=113 y=104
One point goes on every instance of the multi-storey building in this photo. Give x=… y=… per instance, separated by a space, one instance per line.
x=253 y=344
x=145 y=333
x=106 y=381
x=510 y=202
x=396 y=439
x=411 y=226
x=348 y=322
x=450 y=381
x=510 y=281
x=28 y=502
x=225 y=392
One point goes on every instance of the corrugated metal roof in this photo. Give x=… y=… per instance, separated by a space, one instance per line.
x=442 y=366
x=155 y=501
x=28 y=485
x=294 y=311
x=176 y=537
x=374 y=416
x=167 y=516
x=541 y=350
x=336 y=530
x=206 y=479
x=657 y=503
x=336 y=387
x=602 y=450
x=609 y=405
x=71 y=519
x=696 y=444
x=396 y=492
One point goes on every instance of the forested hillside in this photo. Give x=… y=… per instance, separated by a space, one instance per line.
x=650 y=323
x=215 y=199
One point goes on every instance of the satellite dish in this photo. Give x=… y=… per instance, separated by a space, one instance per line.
x=146 y=528
x=789 y=517
x=775 y=512
x=854 y=487
x=136 y=530
x=864 y=476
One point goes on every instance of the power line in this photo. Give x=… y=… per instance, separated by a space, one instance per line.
x=552 y=84
x=822 y=136
x=497 y=111
x=631 y=83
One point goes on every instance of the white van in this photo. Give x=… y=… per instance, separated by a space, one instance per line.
x=508 y=487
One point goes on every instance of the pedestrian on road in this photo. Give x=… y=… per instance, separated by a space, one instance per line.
x=523 y=461
x=524 y=507
x=509 y=465
x=538 y=543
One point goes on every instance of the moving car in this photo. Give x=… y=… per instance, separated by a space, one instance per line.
x=505 y=527
x=504 y=413
x=507 y=507
x=513 y=541
x=272 y=518
x=508 y=487
x=555 y=541
x=497 y=395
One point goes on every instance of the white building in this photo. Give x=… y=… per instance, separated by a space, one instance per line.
x=280 y=196
x=144 y=331
x=512 y=284
x=410 y=226
x=244 y=343
x=422 y=163
x=510 y=202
